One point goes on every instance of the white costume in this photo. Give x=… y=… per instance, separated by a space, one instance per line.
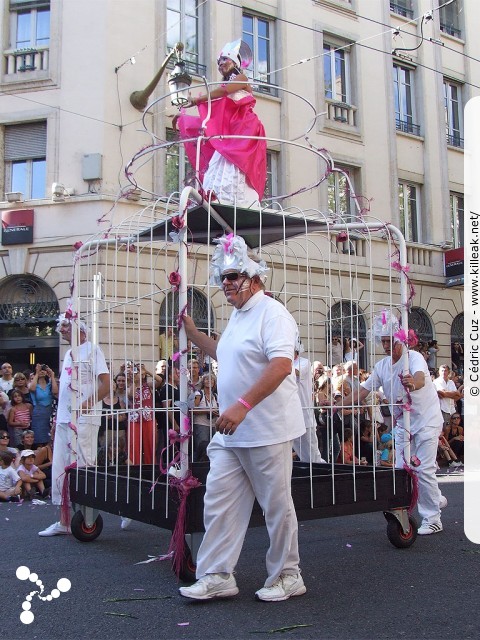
x=256 y=461
x=306 y=446
x=81 y=447
x=425 y=425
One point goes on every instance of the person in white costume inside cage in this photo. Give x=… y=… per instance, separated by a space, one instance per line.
x=306 y=446
x=260 y=416
x=76 y=443
x=425 y=416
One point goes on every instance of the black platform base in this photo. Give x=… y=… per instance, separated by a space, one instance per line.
x=323 y=494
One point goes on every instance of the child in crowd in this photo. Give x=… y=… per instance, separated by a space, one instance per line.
x=387 y=455
x=346 y=455
x=10 y=482
x=31 y=476
x=19 y=416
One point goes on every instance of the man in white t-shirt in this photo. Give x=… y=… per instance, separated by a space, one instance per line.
x=260 y=415
x=425 y=417
x=447 y=393
x=76 y=443
x=6 y=381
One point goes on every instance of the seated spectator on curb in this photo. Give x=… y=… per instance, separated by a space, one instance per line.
x=453 y=433
x=28 y=440
x=347 y=454
x=388 y=454
x=366 y=440
x=10 y=482
x=445 y=452
x=31 y=476
x=4 y=446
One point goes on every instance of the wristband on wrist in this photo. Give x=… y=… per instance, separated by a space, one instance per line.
x=245 y=404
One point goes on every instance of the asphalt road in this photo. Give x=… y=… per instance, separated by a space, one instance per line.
x=358 y=584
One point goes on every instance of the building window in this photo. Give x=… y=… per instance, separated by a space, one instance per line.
x=403 y=89
x=25 y=159
x=420 y=322
x=271 y=186
x=408 y=198
x=453 y=113
x=258 y=33
x=30 y=23
x=177 y=167
x=450 y=18
x=340 y=200
x=456 y=218
x=336 y=69
x=183 y=25
x=402 y=8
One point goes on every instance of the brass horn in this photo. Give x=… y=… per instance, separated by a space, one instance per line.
x=139 y=99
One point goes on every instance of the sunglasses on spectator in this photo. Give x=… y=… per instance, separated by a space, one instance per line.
x=4 y=437
x=231 y=277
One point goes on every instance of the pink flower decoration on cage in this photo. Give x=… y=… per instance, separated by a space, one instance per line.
x=342 y=236
x=77 y=245
x=178 y=222
x=175 y=279
x=409 y=339
x=398 y=267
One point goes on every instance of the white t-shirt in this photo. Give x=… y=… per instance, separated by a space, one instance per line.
x=6 y=385
x=446 y=404
x=305 y=390
x=258 y=332
x=91 y=363
x=425 y=409
x=337 y=353
x=8 y=478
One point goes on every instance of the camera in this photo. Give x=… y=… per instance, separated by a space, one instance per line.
x=44 y=367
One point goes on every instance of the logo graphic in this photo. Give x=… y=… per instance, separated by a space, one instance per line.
x=23 y=573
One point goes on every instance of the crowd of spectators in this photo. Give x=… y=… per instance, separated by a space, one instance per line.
x=143 y=407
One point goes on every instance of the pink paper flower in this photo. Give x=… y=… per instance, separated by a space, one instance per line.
x=178 y=222
x=77 y=245
x=342 y=236
x=175 y=279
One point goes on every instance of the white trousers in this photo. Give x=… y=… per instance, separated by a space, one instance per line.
x=306 y=447
x=238 y=475
x=423 y=445
x=69 y=447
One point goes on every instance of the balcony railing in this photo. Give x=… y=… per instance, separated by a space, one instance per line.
x=25 y=60
x=454 y=140
x=407 y=127
x=450 y=29
x=192 y=67
x=401 y=10
x=341 y=112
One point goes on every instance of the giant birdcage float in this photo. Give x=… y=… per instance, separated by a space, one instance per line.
x=333 y=274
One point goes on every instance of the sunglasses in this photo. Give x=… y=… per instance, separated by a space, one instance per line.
x=4 y=437
x=231 y=277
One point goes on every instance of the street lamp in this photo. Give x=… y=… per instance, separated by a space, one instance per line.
x=179 y=82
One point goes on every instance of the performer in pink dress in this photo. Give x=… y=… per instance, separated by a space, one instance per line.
x=234 y=169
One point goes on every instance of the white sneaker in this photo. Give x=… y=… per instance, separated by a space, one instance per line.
x=126 y=522
x=454 y=463
x=55 y=529
x=428 y=528
x=443 y=502
x=285 y=587
x=213 y=585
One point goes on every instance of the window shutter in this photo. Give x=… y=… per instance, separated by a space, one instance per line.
x=26 y=141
